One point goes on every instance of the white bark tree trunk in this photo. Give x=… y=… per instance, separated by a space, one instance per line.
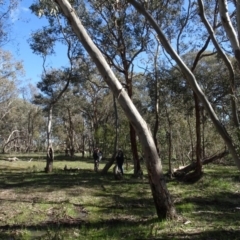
x=229 y=29
x=191 y=80
x=161 y=196
x=226 y=61
x=50 y=155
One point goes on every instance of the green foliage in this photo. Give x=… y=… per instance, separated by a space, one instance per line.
x=7 y=19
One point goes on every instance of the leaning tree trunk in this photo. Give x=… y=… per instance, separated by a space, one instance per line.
x=163 y=203
x=226 y=22
x=192 y=82
x=229 y=29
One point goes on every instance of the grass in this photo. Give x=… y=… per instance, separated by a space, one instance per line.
x=83 y=204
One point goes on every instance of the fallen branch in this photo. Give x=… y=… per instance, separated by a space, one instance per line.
x=183 y=170
x=71 y=169
x=13 y=159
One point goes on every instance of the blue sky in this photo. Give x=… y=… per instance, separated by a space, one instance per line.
x=24 y=23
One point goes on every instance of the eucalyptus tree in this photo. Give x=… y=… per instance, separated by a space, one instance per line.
x=8 y=92
x=67 y=106
x=116 y=139
x=52 y=87
x=7 y=9
x=22 y=127
x=180 y=34
x=234 y=41
x=176 y=98
x=153 y=75
x=163 y=203
x=93 y=91
x=42 y=42
x=70 y=123
x=10 y=70
x=121 y=36
x=191 y=80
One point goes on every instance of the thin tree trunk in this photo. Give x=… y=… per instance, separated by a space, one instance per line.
x=229 y=29
x=198 y=136
x=169 y=136
x=191 y=137
x=156 y=109
x=170 y=151
x=83 y=140
x=163 y=202
x=137 y=166
x=50 y=152
x=203 y=133
x=112 y=160
x=71 y=132
x=235 y=46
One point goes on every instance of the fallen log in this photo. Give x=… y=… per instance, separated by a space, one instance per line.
x=183 y=170
x=13 y=159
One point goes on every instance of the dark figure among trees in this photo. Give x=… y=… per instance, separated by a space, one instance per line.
x=120 y=160
x=97 y=156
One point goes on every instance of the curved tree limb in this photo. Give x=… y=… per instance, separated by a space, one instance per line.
x=191 y=80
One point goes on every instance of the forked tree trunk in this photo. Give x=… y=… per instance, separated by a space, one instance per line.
x=163 y=203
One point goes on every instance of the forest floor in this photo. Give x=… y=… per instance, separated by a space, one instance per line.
x=83 y=204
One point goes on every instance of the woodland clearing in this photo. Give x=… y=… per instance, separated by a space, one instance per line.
x=82 y=204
